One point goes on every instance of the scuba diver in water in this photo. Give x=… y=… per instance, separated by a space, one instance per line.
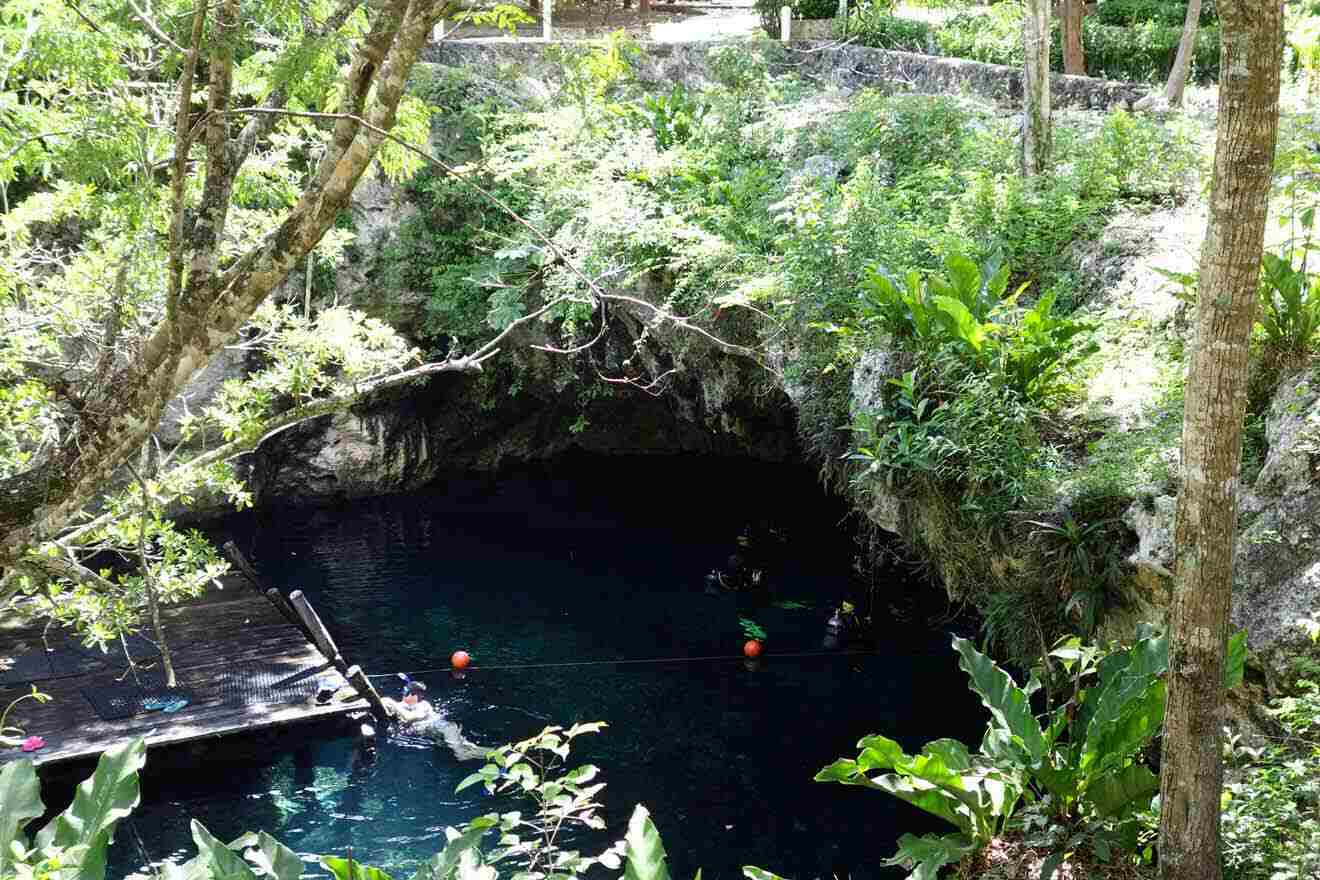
x=843 y=626
x=417 y=717
x=746 y=568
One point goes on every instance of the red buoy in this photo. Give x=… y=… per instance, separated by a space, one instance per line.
x=752 y=649
x=460 y=660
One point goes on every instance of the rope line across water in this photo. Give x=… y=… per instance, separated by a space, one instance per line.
x=797 y=654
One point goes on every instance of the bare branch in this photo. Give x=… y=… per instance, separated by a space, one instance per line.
x=153 y=27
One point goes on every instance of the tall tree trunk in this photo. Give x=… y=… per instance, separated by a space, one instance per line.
x=1191 y=776
x=1074 y=56
x=1182 y=62
x=1036 y=88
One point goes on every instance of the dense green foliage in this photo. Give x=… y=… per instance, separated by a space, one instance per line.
x=1271 y=818
x=1073 y=778
x=1121 y=44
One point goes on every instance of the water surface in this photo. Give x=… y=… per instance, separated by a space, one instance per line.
x=596 y=560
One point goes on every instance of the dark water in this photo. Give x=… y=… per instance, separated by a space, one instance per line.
x=590 y=560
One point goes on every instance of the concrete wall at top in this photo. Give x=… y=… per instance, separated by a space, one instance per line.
x=828 y=61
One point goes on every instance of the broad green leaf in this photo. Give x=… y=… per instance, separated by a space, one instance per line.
x=275 y=859
x=646 y=854
x=344 y=870
x=1007 y=703
x=751 y=872
x=936 y=801
x=1235 y=662
x=951 y=752
x=221 y=860
x=444 y=864
x=1129 y=705
x=20 y=803
x=1113 y=792
x=960 y=322
x=924 y=856
x=843 y=770
x=108 y=795
x=879 y=753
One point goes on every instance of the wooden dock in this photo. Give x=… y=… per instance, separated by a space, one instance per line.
x=214 y=642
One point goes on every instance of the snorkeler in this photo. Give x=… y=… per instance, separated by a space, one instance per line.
x=411 y=708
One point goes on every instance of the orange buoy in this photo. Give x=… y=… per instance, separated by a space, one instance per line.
x=460 y=660
x=752 y=649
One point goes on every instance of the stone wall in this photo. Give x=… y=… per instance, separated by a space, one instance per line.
x=843 y=65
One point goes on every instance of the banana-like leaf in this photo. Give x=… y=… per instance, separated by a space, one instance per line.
x=925 y=855
x=221 y=861
x=20 y=803
x=960 y=322
x=1129 y=706
x=275 y=859
x=1236 y=662
x=936 y=801
x=951 y=752
x=101 y=800
x=646 y=854
x=1113 y=792
x=1007 y=702
x=444 y=864
x=343 y=869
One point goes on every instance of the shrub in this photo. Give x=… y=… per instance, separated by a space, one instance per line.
x=1270 y=824
x=1145 y=51
x=877 y=26
x=1079 y=772
x=1289 y=314
x=1142 y=51
x=809 y=9
x=1129 y=12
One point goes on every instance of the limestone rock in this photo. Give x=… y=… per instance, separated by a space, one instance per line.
x=1153 y=526
x=871 y=373
x=227 y=364
x=1277 y=574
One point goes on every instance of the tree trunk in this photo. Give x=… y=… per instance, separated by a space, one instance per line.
x=1036 y=88
x=1074 y=56
x=1206 y=529
x=1182 y=62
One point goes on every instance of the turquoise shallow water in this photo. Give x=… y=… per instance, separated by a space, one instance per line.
x=589 y=560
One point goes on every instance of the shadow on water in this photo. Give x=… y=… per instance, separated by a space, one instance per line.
x=600 y=560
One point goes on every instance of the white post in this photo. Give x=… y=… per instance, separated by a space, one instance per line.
x=545 y=19
x=785 y=23
x=843 y=10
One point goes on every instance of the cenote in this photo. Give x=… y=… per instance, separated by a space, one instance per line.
x=599 y=560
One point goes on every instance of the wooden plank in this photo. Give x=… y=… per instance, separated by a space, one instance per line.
x=363 y=686
x=208 y=639
x=320 y=635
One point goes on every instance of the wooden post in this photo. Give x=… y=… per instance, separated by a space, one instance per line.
x=244 y=567
x=284 y=608
x=363 y=686
x=545 y=19
x=785 y=23
x=320 y=636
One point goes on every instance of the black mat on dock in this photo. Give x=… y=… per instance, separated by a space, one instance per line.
x=248 y=684
x=80 y=660
x=114 y=700
x=23 y=668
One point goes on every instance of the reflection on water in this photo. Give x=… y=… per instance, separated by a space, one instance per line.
x=596 y=561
